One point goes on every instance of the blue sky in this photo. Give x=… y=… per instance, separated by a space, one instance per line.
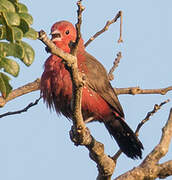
x=36 y=144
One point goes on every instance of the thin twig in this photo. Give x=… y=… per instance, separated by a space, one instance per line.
x=22 y=110
x=150 y=167
x=77 y=80
x=116 y=156
x=138 y=90
x=149 y=114
x=106 y=27
x=121 y=23
x=78 y=27
x=115 y=65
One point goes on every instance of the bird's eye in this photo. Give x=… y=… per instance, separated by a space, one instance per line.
x=67 y=32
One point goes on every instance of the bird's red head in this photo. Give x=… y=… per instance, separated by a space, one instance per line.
x=63 y=32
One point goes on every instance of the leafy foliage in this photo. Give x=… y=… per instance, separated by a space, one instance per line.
x=15 y=24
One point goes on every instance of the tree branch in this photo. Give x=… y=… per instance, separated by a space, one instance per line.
x=54 y=49
x=30 y=87
x=165 y=169
x=149 y=114
x=138 y=90
x=115 y=65
x=106 y=27
x=22 y=110
x=79 y=133
x=147 y=118
x=35 y=85
x=78 y=27
x=162 y=148
x=150 y=168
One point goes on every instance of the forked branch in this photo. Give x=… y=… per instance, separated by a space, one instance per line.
x=106 y=27
x=147 y=118
x=150 y=167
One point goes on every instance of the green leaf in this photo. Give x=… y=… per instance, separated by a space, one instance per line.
x=7 y=5
x=10 y=33
x=7 y=33
x=27 y=17
x=5 y=87
x=24 y=26
x=11 y=18
x=10 y=66
x=21 y=8
x=11 y=49
x=31 y=34
x=29 y=54
x=18 y=34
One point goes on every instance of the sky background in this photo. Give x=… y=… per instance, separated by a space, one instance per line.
x=36 y=144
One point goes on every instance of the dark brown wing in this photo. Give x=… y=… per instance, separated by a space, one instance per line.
x=97 y=79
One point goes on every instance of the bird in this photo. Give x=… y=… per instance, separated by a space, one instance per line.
x=99 y=100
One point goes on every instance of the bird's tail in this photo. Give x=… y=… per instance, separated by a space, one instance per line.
x=125 y=137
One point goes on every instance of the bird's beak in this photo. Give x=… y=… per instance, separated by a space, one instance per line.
x=56 y=35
